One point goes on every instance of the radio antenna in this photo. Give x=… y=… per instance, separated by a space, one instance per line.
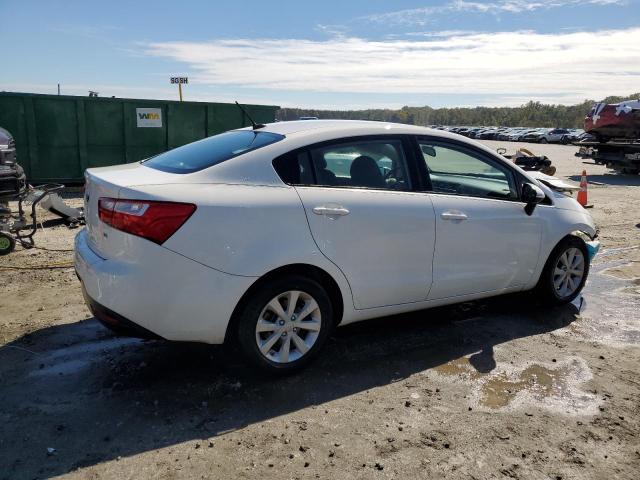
x=253 y=123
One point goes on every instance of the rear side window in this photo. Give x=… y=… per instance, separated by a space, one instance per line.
x=294 y=168
x=373 y=164
x=211 y=151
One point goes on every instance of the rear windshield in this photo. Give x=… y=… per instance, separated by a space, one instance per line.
x=211 y=151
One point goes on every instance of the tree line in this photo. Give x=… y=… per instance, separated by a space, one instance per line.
x=531 y=114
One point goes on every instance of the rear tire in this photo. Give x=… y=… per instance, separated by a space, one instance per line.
x=565 y=272
x=279 y=336
x=7 y=244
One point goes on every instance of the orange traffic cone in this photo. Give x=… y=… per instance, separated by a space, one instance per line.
x=582 y=194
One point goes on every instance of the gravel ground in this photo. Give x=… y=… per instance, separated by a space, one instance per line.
x=488 y=389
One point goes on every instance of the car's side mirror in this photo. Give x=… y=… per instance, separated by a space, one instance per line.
x=531 y=195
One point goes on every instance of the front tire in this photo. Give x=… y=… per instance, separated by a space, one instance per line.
x=284 y=323
x=565 y=272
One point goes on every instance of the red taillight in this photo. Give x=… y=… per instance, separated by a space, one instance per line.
x=155 y=221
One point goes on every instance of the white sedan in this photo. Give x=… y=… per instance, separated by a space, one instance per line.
x=272 y=236
x=557 y=135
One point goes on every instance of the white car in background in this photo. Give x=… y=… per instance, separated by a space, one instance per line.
x=272 y=236
x=516 y=134
x=556 y=135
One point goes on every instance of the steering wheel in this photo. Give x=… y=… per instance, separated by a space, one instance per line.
x=390 y=172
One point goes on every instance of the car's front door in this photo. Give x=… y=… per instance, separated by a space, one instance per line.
x=485 y=241
x=365 y=219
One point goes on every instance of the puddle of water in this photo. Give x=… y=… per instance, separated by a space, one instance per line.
x=613 y=251
x=609 y=314
x=539 y=381
x=460 y=367
x=554 y=386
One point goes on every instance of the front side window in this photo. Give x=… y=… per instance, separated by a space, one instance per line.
x=459 y=172
x=211 y=151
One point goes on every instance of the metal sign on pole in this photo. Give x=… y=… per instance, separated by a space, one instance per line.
x=179 y=81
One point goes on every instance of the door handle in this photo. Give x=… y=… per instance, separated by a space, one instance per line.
x=330 y=211
x=454 y=215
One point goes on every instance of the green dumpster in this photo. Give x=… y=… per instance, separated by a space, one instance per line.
x=59 y=136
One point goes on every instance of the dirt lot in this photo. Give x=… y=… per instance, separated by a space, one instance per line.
x=489 y=389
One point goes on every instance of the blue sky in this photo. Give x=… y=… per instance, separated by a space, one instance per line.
x=329 y=54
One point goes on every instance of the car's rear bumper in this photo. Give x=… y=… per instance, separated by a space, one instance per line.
x=114 y=321
x=159 y=293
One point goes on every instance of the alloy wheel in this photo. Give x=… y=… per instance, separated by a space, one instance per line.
x=288 y=326
x=568 y=272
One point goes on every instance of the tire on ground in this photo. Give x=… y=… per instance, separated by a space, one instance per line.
x=7 y=244
x=250 y=311
x=545 y=289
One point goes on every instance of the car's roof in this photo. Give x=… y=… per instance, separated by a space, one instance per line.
x=300 y=126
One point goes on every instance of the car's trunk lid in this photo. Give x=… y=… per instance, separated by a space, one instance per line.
x=108 y=182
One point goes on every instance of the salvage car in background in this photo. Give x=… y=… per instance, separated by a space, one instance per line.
x=556 y=135
x=534 y=136
x=273 y=235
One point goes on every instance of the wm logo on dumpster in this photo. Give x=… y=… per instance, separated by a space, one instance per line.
x=149 y=117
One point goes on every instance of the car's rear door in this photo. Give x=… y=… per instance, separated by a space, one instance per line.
x=365 y=218
x=485 y=241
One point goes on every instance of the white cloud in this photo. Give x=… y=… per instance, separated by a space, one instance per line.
x=331 y=30
x=528 y=65
x=422 y=16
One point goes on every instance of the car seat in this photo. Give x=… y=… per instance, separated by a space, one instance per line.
x=325 y=176
x=366 y=173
